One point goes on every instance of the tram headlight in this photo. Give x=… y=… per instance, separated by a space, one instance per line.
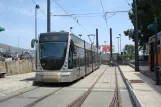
x=38 y=73
x=66 y=73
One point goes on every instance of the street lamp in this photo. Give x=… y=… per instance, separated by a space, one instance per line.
x=80 y=35
x=118 y=44
x=105 y=44
x=36 y=7
x=90 y=38
x=71 y=29
x=18 y=41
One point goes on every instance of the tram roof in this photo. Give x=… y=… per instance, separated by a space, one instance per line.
x=56 y=33
x=78 y=41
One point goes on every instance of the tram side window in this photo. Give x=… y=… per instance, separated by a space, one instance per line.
x=70 y=59
x=81 y=57
x=75 y=57
x=87 y=58
x=90 y=57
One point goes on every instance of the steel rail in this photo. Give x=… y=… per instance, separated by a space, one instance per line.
x=116 y=101
x=80 y=100
x=5 y=99
x=40 y=99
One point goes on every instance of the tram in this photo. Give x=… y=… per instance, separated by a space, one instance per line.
x=152 y=54
x=64 y=57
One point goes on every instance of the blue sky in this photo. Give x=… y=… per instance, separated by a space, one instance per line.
x=17 y=17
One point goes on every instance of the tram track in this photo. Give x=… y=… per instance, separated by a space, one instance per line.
x=116 y=101
x=80 y=100
x=40 y=99
x=5 y=99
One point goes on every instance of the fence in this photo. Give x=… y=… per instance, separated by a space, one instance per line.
x=18 y=67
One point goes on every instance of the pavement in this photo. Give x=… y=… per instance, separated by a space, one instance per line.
x=13 y=83
x=143 y=89
x=100 y=96
x=143 y=66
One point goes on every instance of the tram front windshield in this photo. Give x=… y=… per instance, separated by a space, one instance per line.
x=53 y=50
x=52 y=55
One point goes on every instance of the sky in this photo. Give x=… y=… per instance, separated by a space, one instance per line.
x=18 y=19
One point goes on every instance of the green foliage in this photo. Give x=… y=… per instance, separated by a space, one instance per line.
x=146 y=11
x=129 y=49
x=130 y=56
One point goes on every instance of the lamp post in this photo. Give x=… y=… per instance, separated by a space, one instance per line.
x=71 y=29
x=105 y=44
x=36 y=7
x=118 y=44
x=18 y=41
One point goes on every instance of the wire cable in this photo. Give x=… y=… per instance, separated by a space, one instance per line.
x=127 y=2
x=71 y=16
x=102 y=6
x=104 y=13
x=40 y=9
x=86 y=14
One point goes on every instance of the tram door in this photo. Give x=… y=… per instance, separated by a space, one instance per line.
x=152 y=56
x=77 y=62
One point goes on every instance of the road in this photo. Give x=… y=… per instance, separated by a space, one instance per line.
x=103 y=85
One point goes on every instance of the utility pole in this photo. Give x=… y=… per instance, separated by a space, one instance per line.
x=97 y=39
x=136 y=35
x=110 y=44
x=48 y=15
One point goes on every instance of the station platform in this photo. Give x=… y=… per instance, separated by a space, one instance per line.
x=142 y=88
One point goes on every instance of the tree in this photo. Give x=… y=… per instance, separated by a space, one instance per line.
x=146 y=11
x=129 y=49
x=62 y=31
x=2 y=29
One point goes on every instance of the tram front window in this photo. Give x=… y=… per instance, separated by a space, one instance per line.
x=52 y=55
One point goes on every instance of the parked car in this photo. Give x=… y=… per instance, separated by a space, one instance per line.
x=25 y=56
x=1 y=57
x=7 y=55
x=14 y=57
x=141 y=58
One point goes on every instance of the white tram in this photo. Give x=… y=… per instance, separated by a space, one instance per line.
x=64 y=57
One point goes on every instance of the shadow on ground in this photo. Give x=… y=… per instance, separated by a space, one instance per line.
x=157 y=88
